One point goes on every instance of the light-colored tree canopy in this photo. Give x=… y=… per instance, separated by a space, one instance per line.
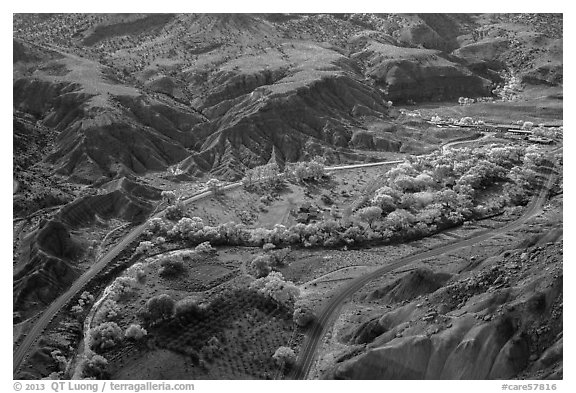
x=274 y=286
x=284 y=356
x=370 y=214
x=135 y=332
x=106 y=335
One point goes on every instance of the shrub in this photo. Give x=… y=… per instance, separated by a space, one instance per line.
x=106 y=335
x=86 y=297
x=157 y=225
x=284 y=356
x=384 y=202
x=274 y=286
x=135 y=332
x=170 y=266
x=170 y=196
x=187 y=307
x=279 y=256
x=260 y=266
x=306 y=171
x=353 y=235
x=215 y=186
x=123 y=286
x=140 y=276
x=60 y=359
x=160 y=307
x=175 y=212
x=108 y=310
x=93 y=366
x=205 y=248
x=266 y=177
x=303 y=315
x=370 y=214
x=77 y=309
x=144 y=247
x=332 y=241
x=186 y=226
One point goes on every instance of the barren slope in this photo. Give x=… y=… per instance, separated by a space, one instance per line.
x=241 y=86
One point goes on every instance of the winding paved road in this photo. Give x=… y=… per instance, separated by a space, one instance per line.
x=21 y=352
x=329 y=312
x=356 y=166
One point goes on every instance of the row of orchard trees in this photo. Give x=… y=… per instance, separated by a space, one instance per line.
x=272 y=284
x=284 y=293
x=107 y=327
x=106 y=331
x=417 y=198
x=268 y=176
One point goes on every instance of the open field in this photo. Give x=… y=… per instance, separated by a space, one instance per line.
x=344 y=191
x=538 y=105
x=229 y=318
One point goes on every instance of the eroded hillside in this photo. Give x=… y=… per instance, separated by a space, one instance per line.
x=123 y=122
x=220 y=93
x=498 y=316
